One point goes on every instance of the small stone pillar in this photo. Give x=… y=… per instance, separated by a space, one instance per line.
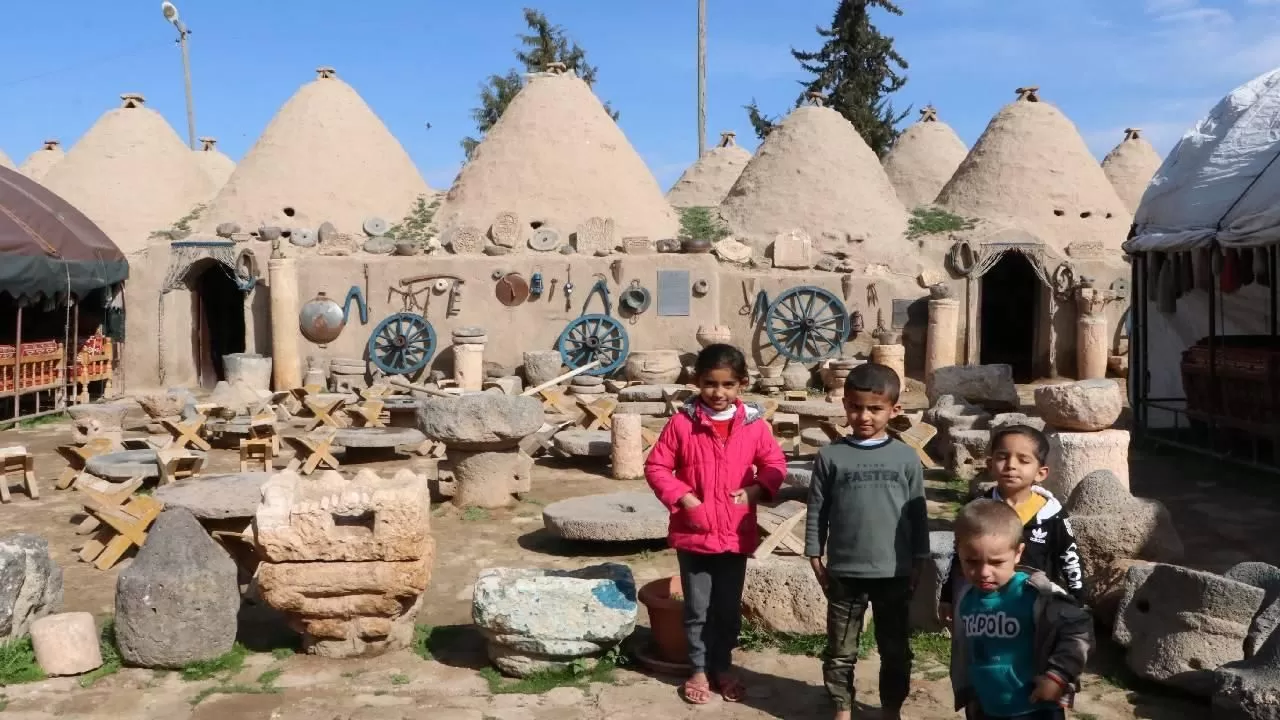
x=943 y=336
x=894 y=356
x=628 y=447
x=468 y=358
x=1093 y=342
x=286 y=363
x=66 y=643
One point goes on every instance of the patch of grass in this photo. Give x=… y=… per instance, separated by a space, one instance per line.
x=282 y=653
x=422 y=641
x=18 y=663
x=111 y=661
x=930 y=220
x=399 y=679
x=233 y=689
x=702 y=223
x=936 y=674
x=268 y=678
x=576 y=675
x=475 y=514
x=351 y=674
x=932 y=646
x=534 y=501
x=222 y=667
x=755 y=639
x=4 y=702
x=33 y=423
x=1083 y=715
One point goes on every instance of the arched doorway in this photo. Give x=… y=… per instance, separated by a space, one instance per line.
x=217 y=323
x=1010 y=297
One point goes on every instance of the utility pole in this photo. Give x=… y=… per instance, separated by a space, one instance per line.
x=702 y=77
x=171 y=14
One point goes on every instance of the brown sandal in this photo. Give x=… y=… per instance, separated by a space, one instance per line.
x=696 y=692
x=731 y=688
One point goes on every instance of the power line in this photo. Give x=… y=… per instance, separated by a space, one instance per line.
x=134 y=51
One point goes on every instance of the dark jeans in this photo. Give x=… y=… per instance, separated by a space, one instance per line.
x=975 y=713
x=847 y=601
x=712 y=607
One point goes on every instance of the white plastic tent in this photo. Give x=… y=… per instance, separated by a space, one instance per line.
x=1221 y=183
x=1222 y=180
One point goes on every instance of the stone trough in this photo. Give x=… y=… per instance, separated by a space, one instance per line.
x=217 y=497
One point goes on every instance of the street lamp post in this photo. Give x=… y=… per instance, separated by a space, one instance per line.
x=171 y=14
x=702 y=77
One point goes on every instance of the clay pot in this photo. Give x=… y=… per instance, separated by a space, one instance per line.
x=666 y=618
x=770 y=371
x=321 y=320
x=695 y=245
x=654 y=367
x=712 y=334
x=796 y=377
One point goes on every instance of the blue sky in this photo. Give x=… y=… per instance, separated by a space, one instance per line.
x=1109 y=64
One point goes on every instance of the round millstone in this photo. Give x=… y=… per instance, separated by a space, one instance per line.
x=641 y=408
x=123 y=465
x=815 y=437
x=216 y=497
x=585 y=443
x=379 y=437
x=587 y=381
x=799 y=473
x=586 y=389
x=613 y=517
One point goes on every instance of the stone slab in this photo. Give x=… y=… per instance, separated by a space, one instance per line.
x=379 y=437
x=216 y=497
x=812 y=408
x=126 y=464
x=585 y=443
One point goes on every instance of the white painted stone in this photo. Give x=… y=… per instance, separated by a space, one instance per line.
x=66 y=643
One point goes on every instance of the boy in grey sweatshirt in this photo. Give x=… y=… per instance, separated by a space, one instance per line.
x=867 y=512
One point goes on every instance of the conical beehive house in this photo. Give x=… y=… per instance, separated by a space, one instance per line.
x=556 y=157
x=923 y=159
x=324 y=157
x=1032 y=169
x=39 y=163
x=214 y=163
x=815 y=173
x=131 y=174
x=708 y=181
x=1130 y=167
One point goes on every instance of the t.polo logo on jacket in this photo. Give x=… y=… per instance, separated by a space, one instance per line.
x=997 y=625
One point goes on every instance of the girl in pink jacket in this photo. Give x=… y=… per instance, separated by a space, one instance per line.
x=713 y=462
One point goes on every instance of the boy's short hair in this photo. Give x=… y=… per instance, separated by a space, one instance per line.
x=874 y=378
x=987 y=517
x=1037 y=437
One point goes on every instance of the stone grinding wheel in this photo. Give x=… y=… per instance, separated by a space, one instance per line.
x=512 y=289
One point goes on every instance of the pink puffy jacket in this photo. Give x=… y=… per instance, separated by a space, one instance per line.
x=689 y=457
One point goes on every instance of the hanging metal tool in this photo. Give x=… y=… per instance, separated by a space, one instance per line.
x=568 y=288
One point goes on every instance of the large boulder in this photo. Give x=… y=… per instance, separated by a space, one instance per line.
x=1105 y=589
x=103 y=419
x=966 y=458
x=546 y=619
x=1250 y=689
x=1267 y=577
x=1084 y=406
x=1182 y=624
x=480 y=421
x=177 y=603
x=30 y=584
x=949 y=412
x=782 y=595
x=990 y=386
x=1110 y=525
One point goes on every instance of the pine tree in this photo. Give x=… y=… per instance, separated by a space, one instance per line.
x=857 y=69
x=545 y=44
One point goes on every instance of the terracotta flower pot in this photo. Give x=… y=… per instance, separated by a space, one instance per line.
x=666 y=618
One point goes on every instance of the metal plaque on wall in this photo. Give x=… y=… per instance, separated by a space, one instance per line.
x=673 y=293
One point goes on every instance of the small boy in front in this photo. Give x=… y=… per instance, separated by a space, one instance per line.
x=867 y=512
x=1019 y=642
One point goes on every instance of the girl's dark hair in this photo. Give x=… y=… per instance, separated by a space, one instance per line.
x=1037 y=438
x=718 y=356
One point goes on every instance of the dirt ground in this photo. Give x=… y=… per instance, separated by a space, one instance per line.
x=1224 y=515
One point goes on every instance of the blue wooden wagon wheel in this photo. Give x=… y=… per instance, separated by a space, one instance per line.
x=807 y=324
x=594 y=337
x=402 y=344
